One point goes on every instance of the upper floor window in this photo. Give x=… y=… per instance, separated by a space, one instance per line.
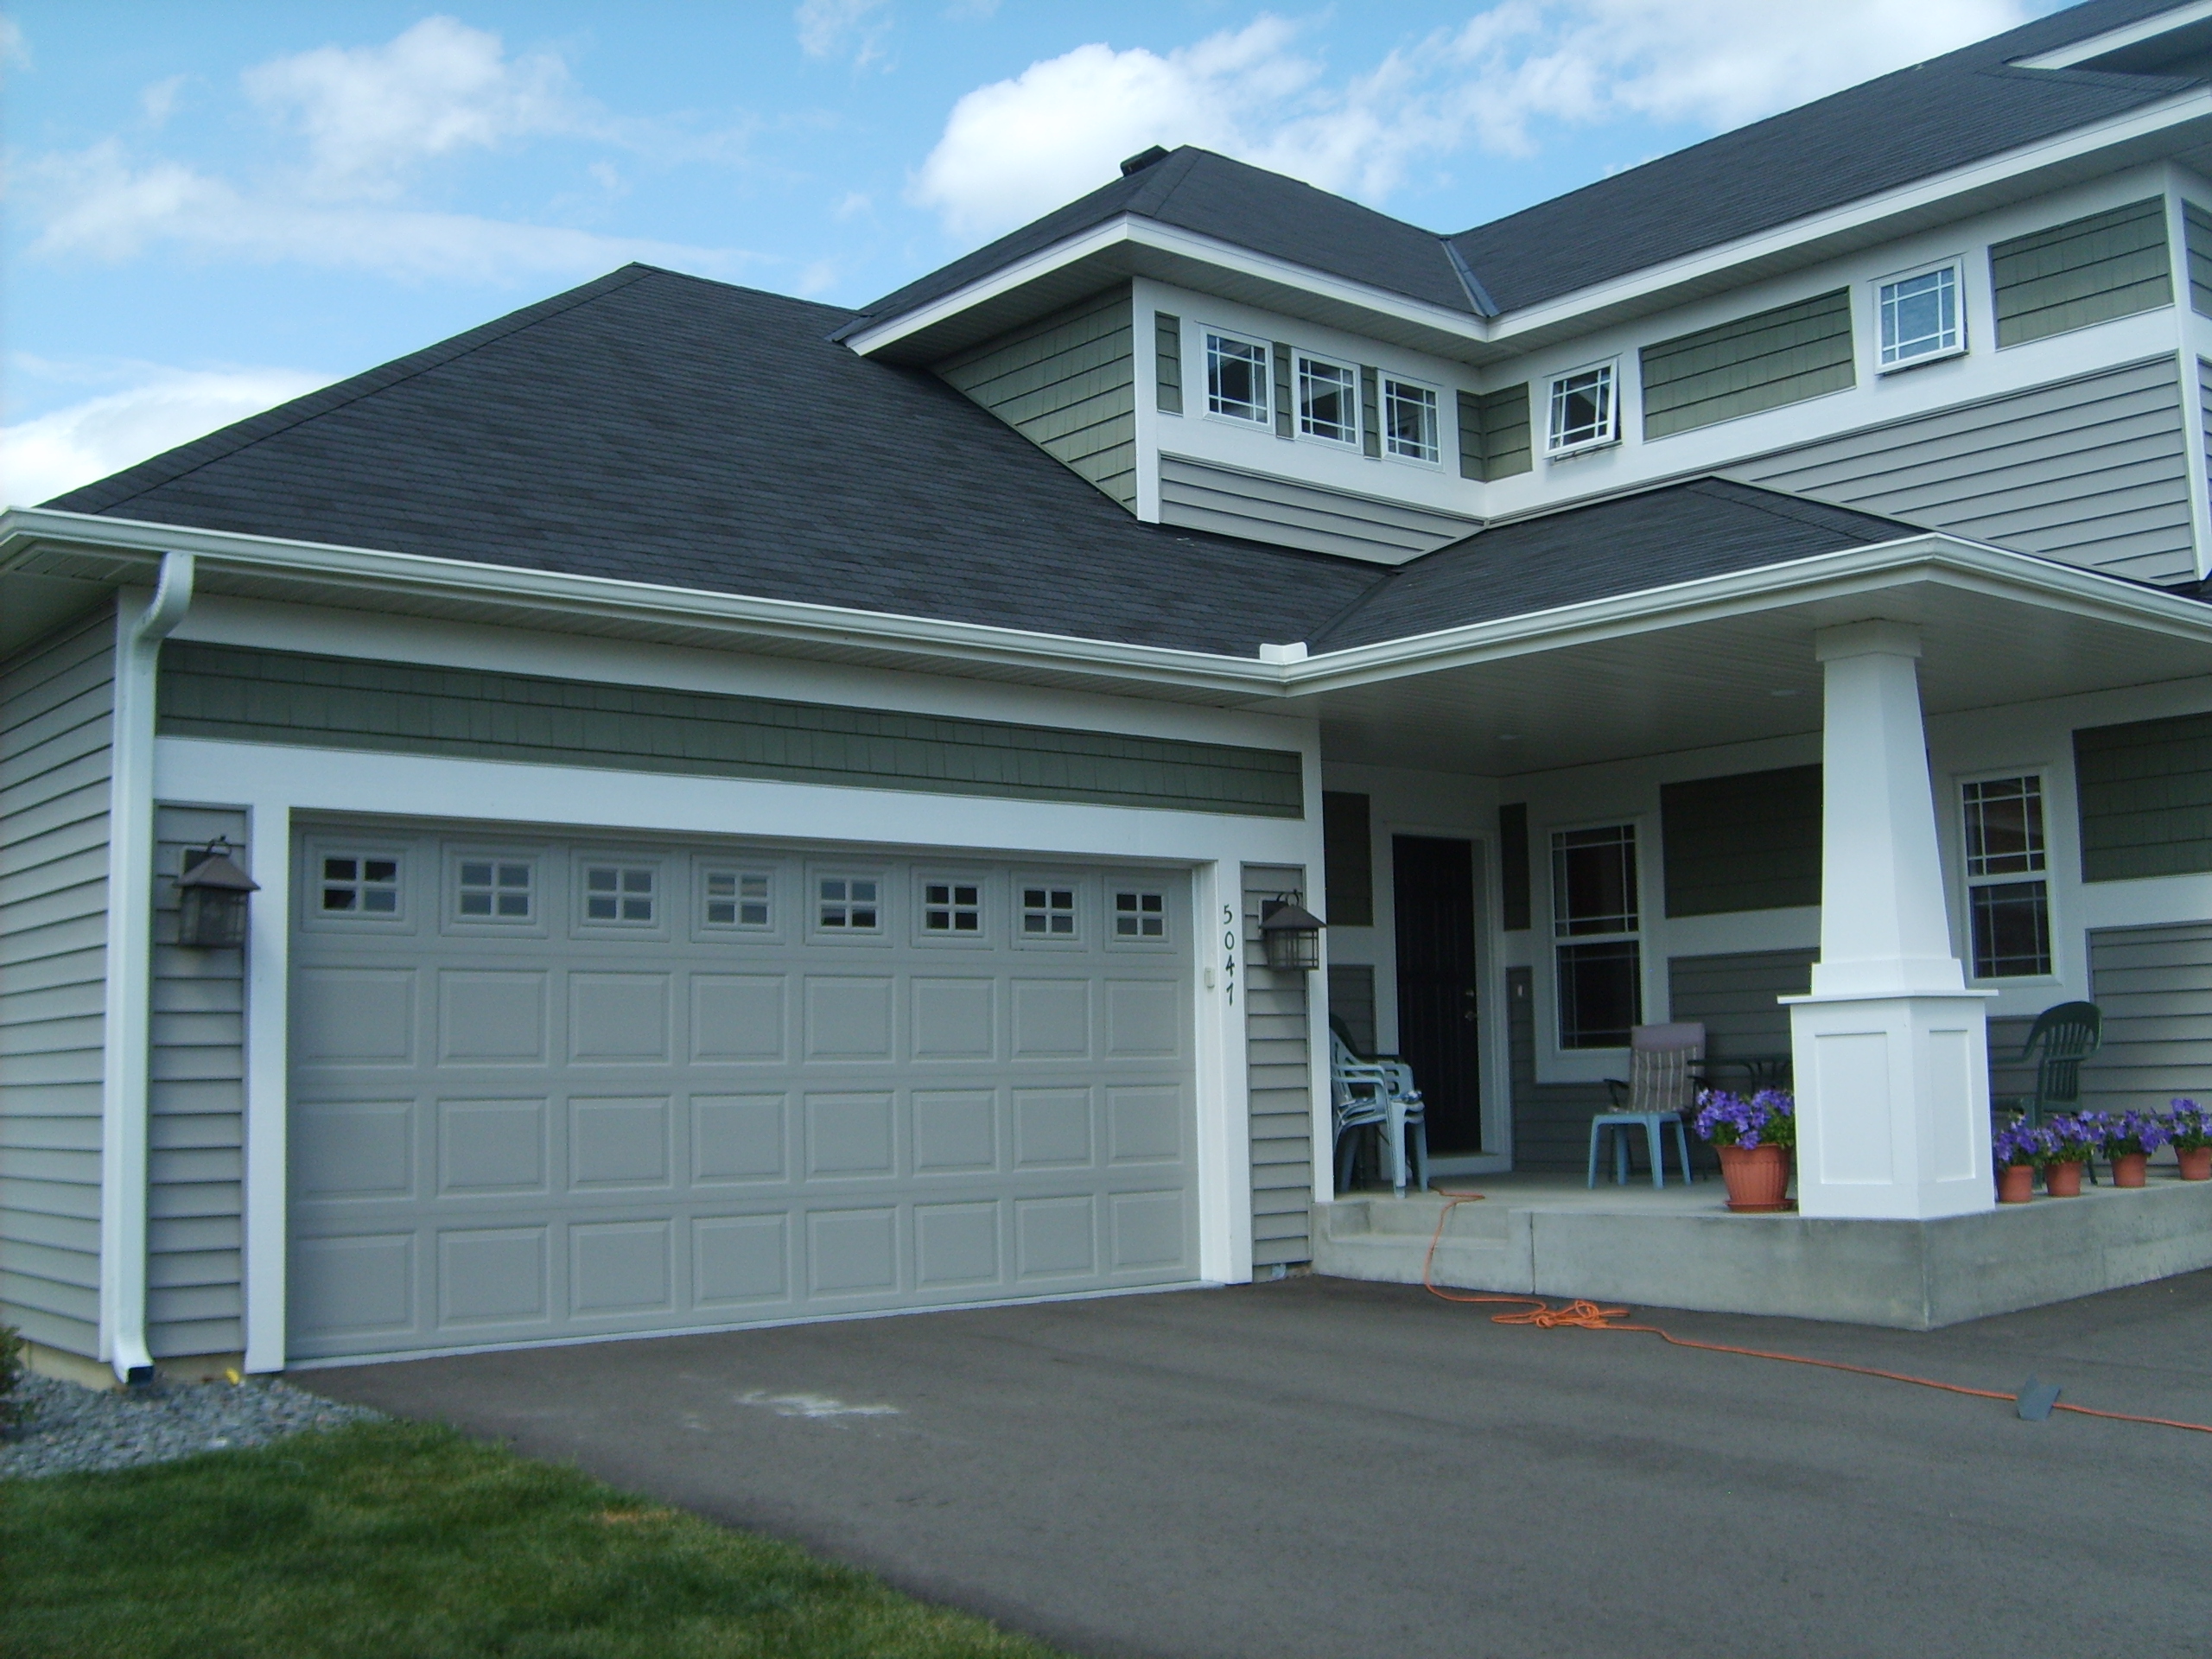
x=1328 y=401
x=1585 y=410
x=1409 y=425
x=1236 y=379
x=2008 y=890
x=1919 y=317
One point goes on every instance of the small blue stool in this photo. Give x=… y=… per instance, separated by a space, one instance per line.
x=1655 y=1143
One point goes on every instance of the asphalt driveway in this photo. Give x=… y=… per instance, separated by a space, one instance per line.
x=1319 y=1467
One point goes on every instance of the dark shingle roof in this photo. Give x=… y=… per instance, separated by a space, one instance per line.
x=1915 y=123
x=1709 y=527
x=651 y=427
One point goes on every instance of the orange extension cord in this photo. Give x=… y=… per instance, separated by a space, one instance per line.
x=1583 y=1315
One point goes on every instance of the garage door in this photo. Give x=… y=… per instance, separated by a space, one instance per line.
x=546 y=1090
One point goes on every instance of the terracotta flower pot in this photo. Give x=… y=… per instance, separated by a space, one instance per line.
x=2062 y=1180
x=2129 y=1168
x=1757 y=1177
x=2016 y=1183
x=2196 y=1163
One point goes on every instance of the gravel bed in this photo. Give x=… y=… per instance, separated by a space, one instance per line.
x=73 y=1428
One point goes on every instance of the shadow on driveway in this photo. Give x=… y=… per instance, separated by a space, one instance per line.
x=1323 y=1468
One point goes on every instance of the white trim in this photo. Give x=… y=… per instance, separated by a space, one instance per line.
x=1264 y=420
x=2147 y=29
x=1956 y=264
x=1968 y=881
x=1384 y=380
x=267 y=996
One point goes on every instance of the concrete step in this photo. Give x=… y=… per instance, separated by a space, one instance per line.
x=1484 y=1247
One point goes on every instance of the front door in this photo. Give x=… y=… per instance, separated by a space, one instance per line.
x=1433 y=883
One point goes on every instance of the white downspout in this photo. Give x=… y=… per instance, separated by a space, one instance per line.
x=123 y=1102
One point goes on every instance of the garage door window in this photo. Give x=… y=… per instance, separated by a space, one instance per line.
x=357 y=886
x=738 y=898
x=614 y=893
x=497 y=890
x=953 y=907
x=850 y=903
x=1048 y=913
x=1140 y=915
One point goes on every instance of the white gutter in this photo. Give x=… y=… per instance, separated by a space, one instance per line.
x=2147 y=29
x=123 y=1104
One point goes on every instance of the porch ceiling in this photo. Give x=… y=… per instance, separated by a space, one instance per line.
x=1731 y=679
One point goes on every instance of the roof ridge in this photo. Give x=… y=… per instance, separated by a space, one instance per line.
x=185 y=458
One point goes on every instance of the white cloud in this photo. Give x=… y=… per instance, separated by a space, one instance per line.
x=159 y=101
x=830 y=28
x=1016 y=147
x=14 y=50
x=372 y=114
x=41 y=457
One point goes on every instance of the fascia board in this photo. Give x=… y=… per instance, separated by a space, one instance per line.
x=1649 y=288
x=1854 y=571
x=27 y=529
x=2096 y=46
x=1132 y=230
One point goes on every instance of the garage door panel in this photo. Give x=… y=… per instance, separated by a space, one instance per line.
x=729 y=1113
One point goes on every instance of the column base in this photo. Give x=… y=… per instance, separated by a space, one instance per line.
x=1892 y=1104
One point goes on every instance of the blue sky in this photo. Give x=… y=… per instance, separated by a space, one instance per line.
x=213 y=207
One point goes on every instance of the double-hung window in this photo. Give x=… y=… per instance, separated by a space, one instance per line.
x=1410 y=428
x=1236 y=379
x=1328 y=401
x=1596 y=934
x=1919 y=317
x=1585 y=410
x=2008 y=885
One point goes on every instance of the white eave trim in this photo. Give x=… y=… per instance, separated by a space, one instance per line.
x=2146 y=28
x=1854 y=571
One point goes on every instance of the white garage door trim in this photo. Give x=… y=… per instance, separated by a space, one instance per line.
x=949 y=1094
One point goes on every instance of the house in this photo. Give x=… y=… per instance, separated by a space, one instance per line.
x=760 y=811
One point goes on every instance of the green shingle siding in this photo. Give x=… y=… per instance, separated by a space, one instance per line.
x=1285 y=427
x=1494 y=432
x=1167 y=354
x=2146 y=794
x=2196 y=237
x=1782 y=356
x=2088 y=270
x=1068 y=384
x=285 y=698
x=1750 y=842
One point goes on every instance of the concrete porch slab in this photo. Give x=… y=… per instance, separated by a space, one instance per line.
x=1680 y=1248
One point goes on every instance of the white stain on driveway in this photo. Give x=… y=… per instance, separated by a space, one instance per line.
x=814 y=1408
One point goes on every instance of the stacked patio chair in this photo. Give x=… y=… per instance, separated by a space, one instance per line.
x=1377 y=1094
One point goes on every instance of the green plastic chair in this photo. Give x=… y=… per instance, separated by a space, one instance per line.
x=2060 y=1038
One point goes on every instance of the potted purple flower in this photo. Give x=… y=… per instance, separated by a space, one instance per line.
x=1754 y=1138
x=2021 y=1149
x=2129 y=1138
x=2188 y=1130
x=2072 y=1141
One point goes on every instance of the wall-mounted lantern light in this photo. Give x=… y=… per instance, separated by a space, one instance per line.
x=211 y=898
x=1292 y=933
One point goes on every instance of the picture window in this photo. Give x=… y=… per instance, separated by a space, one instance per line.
x=354 y=885
x=1048 y=913
x=848 y=903
x=496 y=890
x=2008 y=891
x=1594 y=905
x=952 y=907
x=1328 y=401
x=1236 y=379
x=737 y=899
x=1140 y=916
x=1584 y=411
x=619 y=893
x=1409 y=422
x=1920 y=317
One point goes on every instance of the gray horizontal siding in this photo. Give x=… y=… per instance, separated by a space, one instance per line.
x=1734 y=997
x=1198 y=495
x=1351 y=1003
x=57 y=708
x=1749 y=842
x=2155 y=987
x=1068 y=384
x=1551 y=1120
x=1782 y=356
x=286 y=697
x=196 y=1102
x=2088 y=270
x=2089 y=470
x=2196 y=237
x=2144 y=791
x=1277 y=1055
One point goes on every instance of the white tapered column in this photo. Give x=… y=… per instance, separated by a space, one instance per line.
x=1890 y=1049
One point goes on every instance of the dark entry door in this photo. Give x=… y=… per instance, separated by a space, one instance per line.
x=1433 y=883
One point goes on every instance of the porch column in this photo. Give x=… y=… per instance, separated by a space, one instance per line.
x=1890 y=1048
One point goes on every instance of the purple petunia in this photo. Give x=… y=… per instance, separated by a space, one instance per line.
x=2187 y=1126
x=1768 y=1118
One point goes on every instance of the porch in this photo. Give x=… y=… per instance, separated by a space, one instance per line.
x=1549 y=1235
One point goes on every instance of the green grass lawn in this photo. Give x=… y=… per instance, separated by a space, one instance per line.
x=399 y=1542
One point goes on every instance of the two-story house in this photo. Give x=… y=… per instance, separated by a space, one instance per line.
x=760 y=811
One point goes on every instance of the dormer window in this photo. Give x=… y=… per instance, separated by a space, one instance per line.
x=1585 y=410
x=1236 y=379
x=1919 y=317
x=1328 y=401
x=1409 y=423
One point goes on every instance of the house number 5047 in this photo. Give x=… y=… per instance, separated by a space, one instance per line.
x=1229 y=948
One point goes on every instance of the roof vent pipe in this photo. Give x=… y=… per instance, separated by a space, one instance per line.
x=1142 y=159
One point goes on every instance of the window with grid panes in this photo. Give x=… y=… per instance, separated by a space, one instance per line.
x=614 y=893
x=1048 y=913
x=736 y=898
x=495 y=890
x=2008 y=892
x=952 y=907
x=1596 y=928
x=359 y=886
x=1140 y=915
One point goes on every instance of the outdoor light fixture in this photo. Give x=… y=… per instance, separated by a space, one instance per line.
x=211 y=898
x=1293 y=934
